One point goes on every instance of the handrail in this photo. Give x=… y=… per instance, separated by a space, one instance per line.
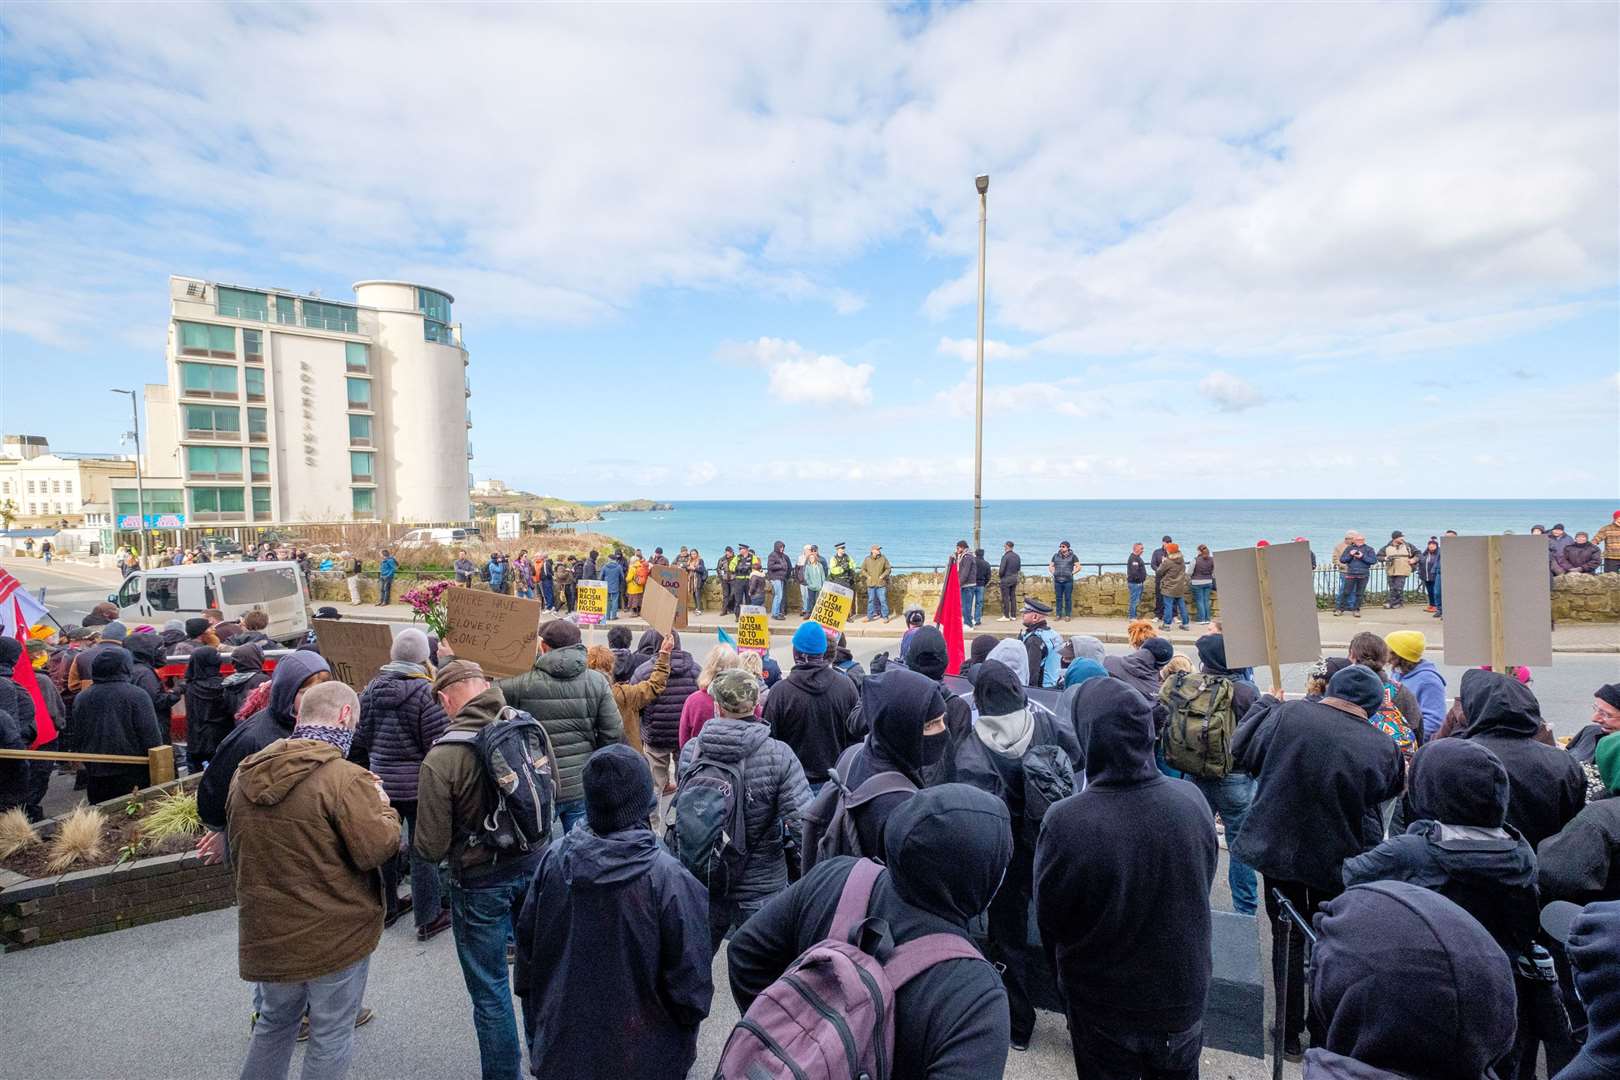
x=159 y=760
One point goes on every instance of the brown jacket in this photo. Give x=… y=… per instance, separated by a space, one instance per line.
x=451 y=795
x=631 y=698
x=308 y=832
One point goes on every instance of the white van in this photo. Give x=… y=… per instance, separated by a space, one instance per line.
x=421 y=538
x=185 y=592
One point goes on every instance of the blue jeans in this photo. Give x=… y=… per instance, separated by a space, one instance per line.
x=1135 y=588
x=1170 y=605
x=778 y=590
x=1350 y=590
x=1230 y=797
x=547 y=594
x=332 y=1001
x=973 y=604
x=385 y=587
x=571 y=813
x=1064 y=595
x=613 y=604
x=810 y=599
x=1201 y=601
x=877 y=596
x=481 y=921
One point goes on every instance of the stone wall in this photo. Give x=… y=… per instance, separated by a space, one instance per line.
x=1586 y=598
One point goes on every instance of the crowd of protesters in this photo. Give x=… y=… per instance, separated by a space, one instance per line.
x=606 y=821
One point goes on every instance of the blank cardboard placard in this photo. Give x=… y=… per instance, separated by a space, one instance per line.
x=1292 y=605
x=659 y=607
x=674 y=581
x=354 y=650
x=1525 y=606
x=500 y=633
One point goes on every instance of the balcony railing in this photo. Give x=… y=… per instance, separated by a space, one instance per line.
x=209 y=395
x=210 y=435
x=196 y=475
x=237 y=311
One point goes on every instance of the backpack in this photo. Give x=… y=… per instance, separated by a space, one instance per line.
x=1198 y=738
x=831 y=1013
x=1048 y=779
x=708 y=832
x=829 y=826
x=643 y=572
x=1389 y=719
x=520 y=770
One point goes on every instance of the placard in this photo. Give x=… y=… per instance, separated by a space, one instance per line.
x=833 y=605
x=592 y=602
x=674 y=580
x=1268 y=606
x=1514 y=629
x=500 y=633
x=354 y=650
x=659 y=607
x=753 y=629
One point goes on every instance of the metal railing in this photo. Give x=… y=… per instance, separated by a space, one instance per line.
x=1289 y=923
x=1325 y=579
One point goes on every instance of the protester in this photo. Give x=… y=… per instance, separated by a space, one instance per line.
x=308 y=832
x=1140 y=669
x=1420 y=677
x=1399 y=558
x=18 y=728
x=774 y=794
x=1428 y=567
x=661 y=717
x=573 y=703
x=1170 y=580
x=1593 y=948
x=1201 y=580
x=777 y=568
x=400 y=719
x=1400 y=715
x=248 y=676
x=946 y=851
x=1547 y=786
x=698 y=709
x=929 y=657
x=1125 y=911
x=609 y=891
x=1061 y=566
x=110 y=716
x=1007 y=576
x=1135 y=578
x=875 y=573
x=612 y=575
x=1581 y=862
x=1297 y=839
x=896 y=710
x=1357 y=560
x=632 y=698
x=1609 y=537
x=1605 y=719
x=209 y=717
x=809 y=709
x=385 y=577
x=1377 y=946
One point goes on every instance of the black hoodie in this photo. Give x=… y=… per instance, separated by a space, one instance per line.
x=947 y=849
x=248 y=660
x=1546 y=786
x=895 y=705
x=113 y=715
x=928 y=655
x=208 y=707
x=1594 y=953
x=1379 y=945
x=147 y=651
x=1125 y=909
x=1458 y=846
x=809 y=710
x=275 y=721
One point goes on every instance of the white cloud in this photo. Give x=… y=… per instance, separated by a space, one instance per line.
x=798 y=375
x=967 y=349
x=1229 y=392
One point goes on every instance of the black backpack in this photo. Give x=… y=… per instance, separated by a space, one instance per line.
x=520 y=773
x=708 y=830
x=1048 y=779
x=829 y=827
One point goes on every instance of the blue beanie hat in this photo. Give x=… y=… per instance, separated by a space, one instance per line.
x=811 y=639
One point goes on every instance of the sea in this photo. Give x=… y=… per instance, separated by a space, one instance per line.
x=918 y=534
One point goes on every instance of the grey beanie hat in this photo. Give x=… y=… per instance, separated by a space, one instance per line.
x=735 y=692
x=1087 y=647
x=114 y=631
x=410 y=646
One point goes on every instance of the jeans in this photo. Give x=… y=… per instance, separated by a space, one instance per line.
x=526 y=592
x=1109 y=1051
x=778 y=591
x=972 y=604
x=1135 y=588
x=877 y=596
x=1305 y=899
x=1170 y=605
x=425 y=899
x=1064 y=597
x=1433 y=589
x=385 y=587
x=332 y=1001
x=481 y=921
x=1350 y=590
x=1397 y=592
x=726 y=915
x=1201 y=602
x=613 y=604
x=810 y=599
x=570 y=813
x=1230 y=797
x=547 y=594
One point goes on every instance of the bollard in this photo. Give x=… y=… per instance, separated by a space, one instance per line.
x=160 y=764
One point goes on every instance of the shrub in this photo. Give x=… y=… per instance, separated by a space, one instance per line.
x=175 y=814
x=78 y=840
x=16 y=833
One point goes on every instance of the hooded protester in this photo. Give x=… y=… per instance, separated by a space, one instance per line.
x=1125 y=911
x=1581 y=863
x=1594 y=955
x=145 y=648
x=295 y=673
x=1379 y=948
x=1086 y=647
x=1140 y=668
x=946 y=851
x=1322 y=773
x=113 y=716
x=1546 y=786
x=610 y=890
x=661 y=717
x=111 y=636
x=896 y=707
x=929 y=657
x=776 y=795
x=979 y=652
x=17 y=730
x=208 y=708
x=171 y=633
x=248 y=660
x=1080 y=671
x=809 y=709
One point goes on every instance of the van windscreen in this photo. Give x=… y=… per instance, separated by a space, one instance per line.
x=258 y=586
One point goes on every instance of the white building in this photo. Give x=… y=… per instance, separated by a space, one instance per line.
x=40 y=489
x=284 y=410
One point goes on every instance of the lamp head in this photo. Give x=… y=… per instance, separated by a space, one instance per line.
x=982 y=182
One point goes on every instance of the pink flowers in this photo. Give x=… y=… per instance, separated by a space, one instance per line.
x=427 y=602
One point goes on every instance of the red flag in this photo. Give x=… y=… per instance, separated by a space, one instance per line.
x=24 y=673
x=948 y=617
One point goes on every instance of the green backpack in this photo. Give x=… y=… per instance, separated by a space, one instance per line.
x=1198 y=738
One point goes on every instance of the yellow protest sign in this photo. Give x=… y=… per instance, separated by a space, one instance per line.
x=753 y=629
x=592 y=602
x=833 y=605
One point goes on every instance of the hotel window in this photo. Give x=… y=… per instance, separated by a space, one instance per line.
x=67 y=486
x=56 y=487
x=158 y=501
x=286 y=314
x=254 y=377
x=258 y=425
x=359 y=393
x=357 y=357
x=365 y=501
x=203 y=422
x=360 y=431
x=242 y=304
x=208 y=380
x=323 y=316
x=362 y=469
x=208 y=503
x=214 y=462
x=261 y=504
x=205 y=339
x=259 y=463
x=253 y=346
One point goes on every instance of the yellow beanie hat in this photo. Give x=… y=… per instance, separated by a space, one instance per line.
x=1407 y=644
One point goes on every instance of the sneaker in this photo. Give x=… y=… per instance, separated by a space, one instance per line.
x=1293 y=1048
x=253 y=1022
x=363 y=1017
x=434 y=928
x=1337 y=613
x=1429 y=608
x=1357 y=614
x=403 y=907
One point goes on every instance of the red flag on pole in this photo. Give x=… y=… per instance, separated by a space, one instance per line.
x=18 y=609
x=948 y=617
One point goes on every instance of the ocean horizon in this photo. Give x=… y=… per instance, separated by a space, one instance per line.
x=920 y=533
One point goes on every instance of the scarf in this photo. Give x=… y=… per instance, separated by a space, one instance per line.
x=1010 y=734
x=339 y=737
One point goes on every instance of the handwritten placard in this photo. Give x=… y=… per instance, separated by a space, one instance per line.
x=354 y=650
x=500 y=633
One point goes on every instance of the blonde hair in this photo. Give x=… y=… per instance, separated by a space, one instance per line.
x=719 y=659
x=753 y=664
x=1139 y=631
x=1177 y=663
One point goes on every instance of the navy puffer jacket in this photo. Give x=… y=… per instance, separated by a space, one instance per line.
x=776 y=789
x=661 y=721
x=400 y=719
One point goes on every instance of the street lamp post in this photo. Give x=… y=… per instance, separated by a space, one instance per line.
x=981 y=182
x=140 y=489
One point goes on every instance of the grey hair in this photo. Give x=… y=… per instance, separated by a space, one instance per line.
x=323 y=704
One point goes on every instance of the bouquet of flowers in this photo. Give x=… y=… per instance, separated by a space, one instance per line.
x=427 y=602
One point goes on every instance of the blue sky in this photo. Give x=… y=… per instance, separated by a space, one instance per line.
x=728 y=252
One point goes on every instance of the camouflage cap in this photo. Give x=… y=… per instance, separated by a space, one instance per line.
x=735 y=693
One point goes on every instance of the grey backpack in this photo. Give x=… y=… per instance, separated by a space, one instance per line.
x=829 y=827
